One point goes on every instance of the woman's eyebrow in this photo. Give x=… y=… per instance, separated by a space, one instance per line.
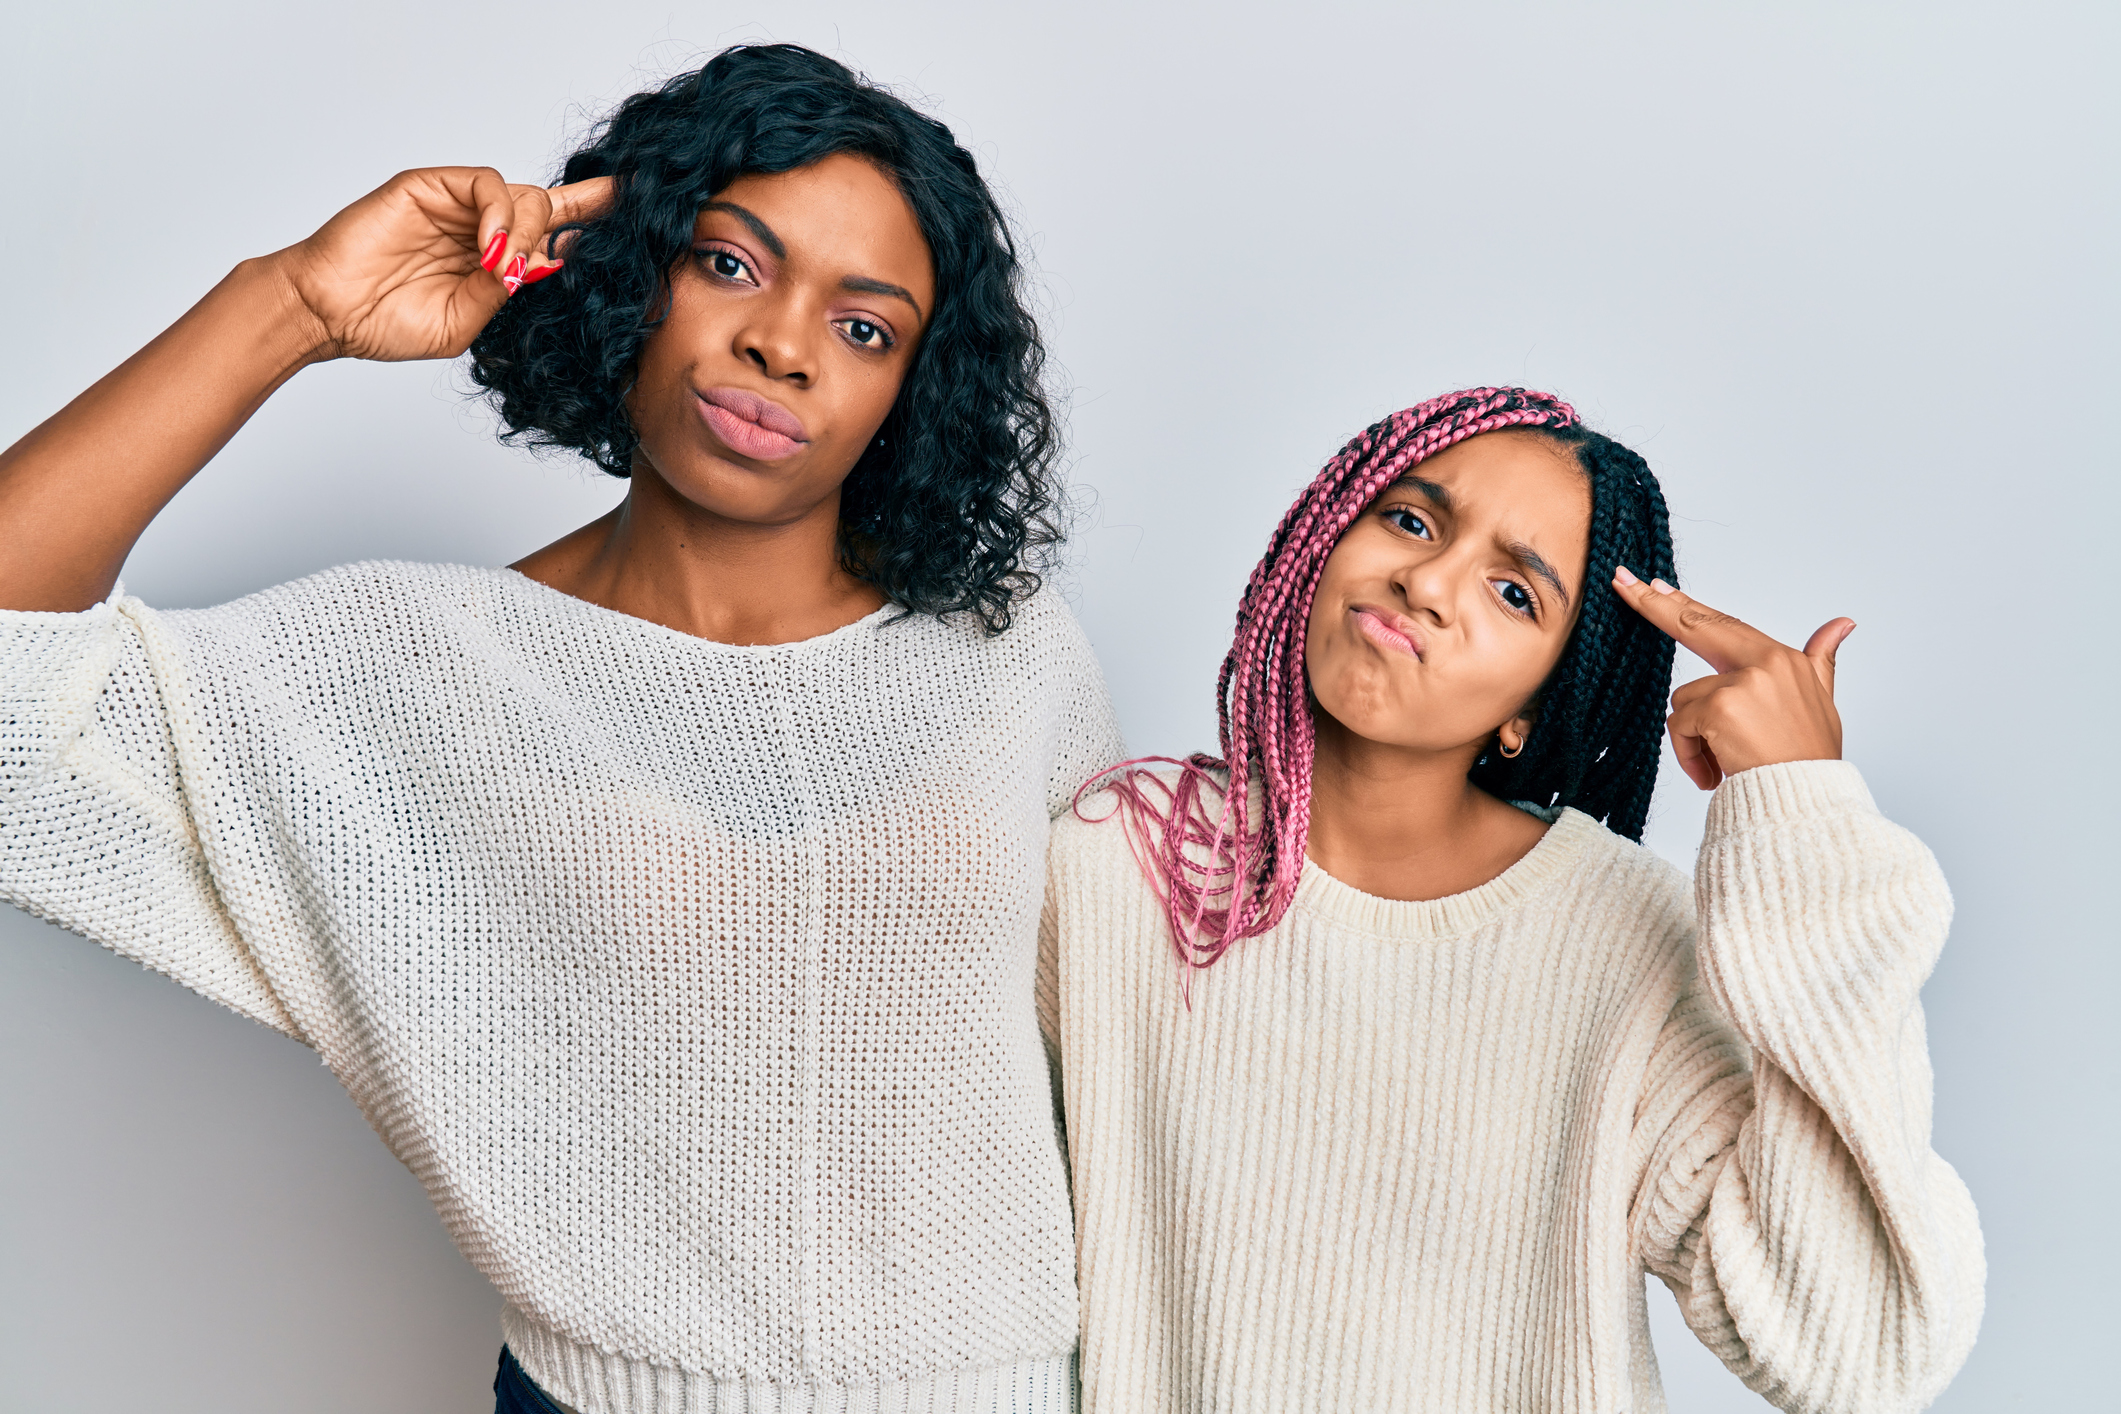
x=859 y=284
x=863 y=285
x=1532 y=560
x=759 y=228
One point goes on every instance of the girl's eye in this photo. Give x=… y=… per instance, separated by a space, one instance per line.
x=725 y=266
x=1411 y=523
x=1514 y=594
x=869 y=336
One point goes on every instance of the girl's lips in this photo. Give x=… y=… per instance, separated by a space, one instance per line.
x=751 y=426
x=1394 y=635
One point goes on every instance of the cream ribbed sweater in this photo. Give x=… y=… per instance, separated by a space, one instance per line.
x=1417 y=1156
x=695 y=982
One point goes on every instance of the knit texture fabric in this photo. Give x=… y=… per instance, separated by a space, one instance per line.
x=1418 y=1156
x=695 y=982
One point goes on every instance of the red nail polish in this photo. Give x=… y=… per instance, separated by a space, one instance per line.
x=491 y=256
x=512 y=277
x=541 y=272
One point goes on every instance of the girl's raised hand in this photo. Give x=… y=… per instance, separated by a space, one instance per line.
x=416 y=268
x=1766 y=704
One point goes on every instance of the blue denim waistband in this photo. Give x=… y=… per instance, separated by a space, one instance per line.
x=515 y=1393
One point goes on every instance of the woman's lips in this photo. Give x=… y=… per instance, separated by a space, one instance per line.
x=1394 y=634
x=752 y=426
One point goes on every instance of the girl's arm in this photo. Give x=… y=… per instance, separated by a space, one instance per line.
x=1814 y=1239
x=413 y=270
x=1816 y=1242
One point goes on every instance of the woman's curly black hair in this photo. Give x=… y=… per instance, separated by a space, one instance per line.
x=952 y=506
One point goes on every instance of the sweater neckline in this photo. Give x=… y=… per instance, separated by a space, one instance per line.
x=580 y=608
x=1321 y=896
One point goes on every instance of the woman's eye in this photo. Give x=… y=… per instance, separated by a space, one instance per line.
x=1514 y=594
x=726 y=266
x=1411 y=523
x=869 y=336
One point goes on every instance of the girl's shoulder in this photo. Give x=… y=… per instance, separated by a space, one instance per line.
x=1619 y=872
x=1092 y=834
x=1091 y=839
x=1579 y=866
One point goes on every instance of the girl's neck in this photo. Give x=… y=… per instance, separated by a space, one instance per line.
x=1401 y=824
x=660 y=557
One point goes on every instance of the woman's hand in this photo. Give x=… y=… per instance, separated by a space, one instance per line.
x=1768 y=702
x=397 y=275
x=417 y=267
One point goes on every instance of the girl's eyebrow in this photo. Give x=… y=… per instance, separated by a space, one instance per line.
x=1441 y=495
x=1532 y=560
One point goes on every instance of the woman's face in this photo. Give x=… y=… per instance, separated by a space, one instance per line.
x=1447 y=604
x=792 y=324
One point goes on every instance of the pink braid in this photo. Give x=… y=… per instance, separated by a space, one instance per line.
x=1223 y=843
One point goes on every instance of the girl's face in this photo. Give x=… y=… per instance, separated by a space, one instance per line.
x=1447 y=604
x=792 y=324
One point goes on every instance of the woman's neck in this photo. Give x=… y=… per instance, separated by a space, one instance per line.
x=661 y=558
x=1401 y=824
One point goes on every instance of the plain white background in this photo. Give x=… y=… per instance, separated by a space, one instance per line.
x=1844 y=273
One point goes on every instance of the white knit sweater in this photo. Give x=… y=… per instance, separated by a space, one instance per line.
x=694 y=981
x=1418 y=1156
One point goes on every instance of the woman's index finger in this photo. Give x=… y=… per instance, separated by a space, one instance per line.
x=583 y=200
x=1717 y=638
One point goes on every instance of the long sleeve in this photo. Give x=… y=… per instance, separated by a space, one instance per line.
x=1792 y=1201
x=99 y=836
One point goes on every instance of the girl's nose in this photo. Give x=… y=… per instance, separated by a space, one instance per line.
x=1430 y=586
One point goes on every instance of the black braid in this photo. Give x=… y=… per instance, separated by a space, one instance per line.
x=1600 y=718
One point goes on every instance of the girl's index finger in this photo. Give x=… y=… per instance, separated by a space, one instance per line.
x=1721 y=641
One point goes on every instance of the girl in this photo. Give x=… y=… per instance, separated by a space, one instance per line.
x=668 y=900
x=1449 y=1060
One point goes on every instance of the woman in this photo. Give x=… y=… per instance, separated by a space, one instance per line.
x=1448 y=1061
x=667 y=900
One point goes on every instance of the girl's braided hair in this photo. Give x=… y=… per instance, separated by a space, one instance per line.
x=1223 y=842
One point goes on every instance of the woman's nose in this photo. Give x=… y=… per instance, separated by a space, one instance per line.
x=775 y=346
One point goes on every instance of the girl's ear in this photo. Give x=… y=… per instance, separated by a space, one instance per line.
x=1510 y=737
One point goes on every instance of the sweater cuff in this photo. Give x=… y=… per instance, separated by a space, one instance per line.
x=1783 y=794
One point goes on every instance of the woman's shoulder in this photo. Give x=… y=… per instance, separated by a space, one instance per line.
x=1042 y=624
x=1043 y=648
x=354 y=615
x=369 y=594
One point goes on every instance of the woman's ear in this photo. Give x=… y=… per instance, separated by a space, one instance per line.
x=1510 y=737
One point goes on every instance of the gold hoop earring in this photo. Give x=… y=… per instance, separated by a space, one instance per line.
x=1508 y=754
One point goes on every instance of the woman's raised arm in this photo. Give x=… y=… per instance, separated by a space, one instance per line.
x=412 y=270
